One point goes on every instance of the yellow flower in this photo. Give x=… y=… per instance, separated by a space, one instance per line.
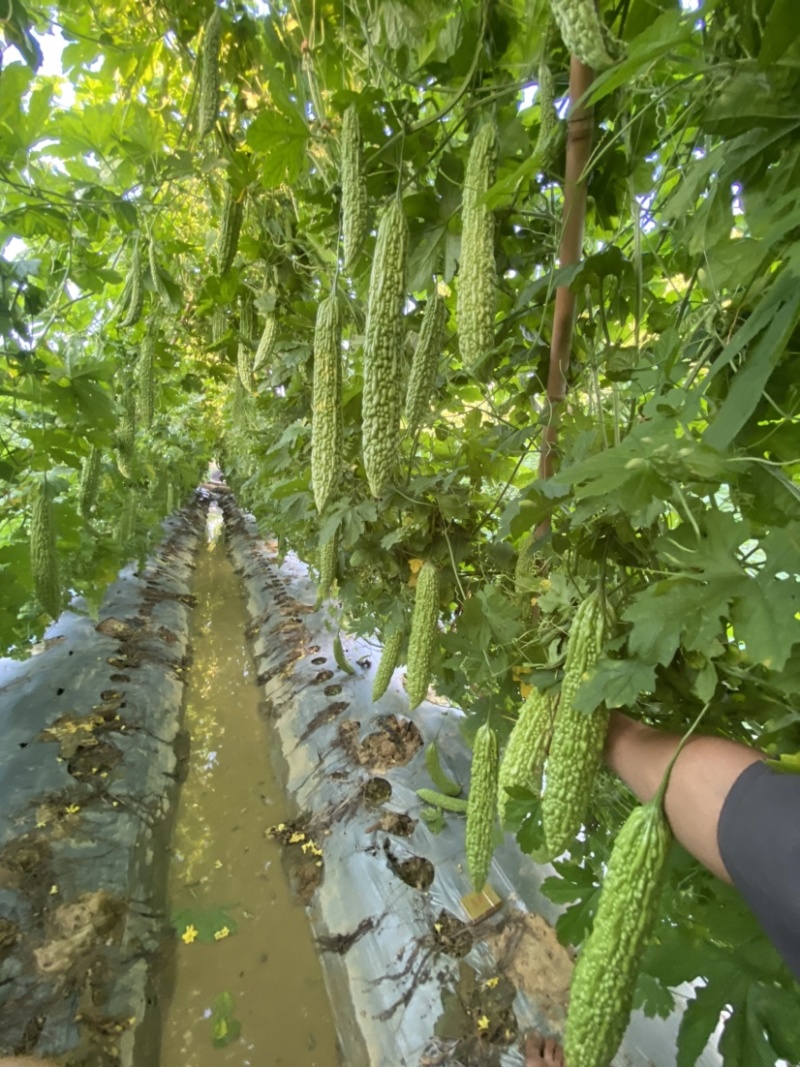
x=483 y=1022
x=219 y=934
x=296 y=837
x=490 y=983
x=53 y=890
x=217 y=864
x=189 y=934
x=71 y=809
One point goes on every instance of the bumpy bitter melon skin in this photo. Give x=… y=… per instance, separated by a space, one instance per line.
x=328 y=558
x=44 y=553
x=145 y=374
x=247 y=328
x=126 y=526
x=477 y=271
x=388 y=662
x=209 y=75
x=326 y=424
x=219 y=324
x=266 y=343
x=354 y=188
x=581 y=31
x=136 y=291
x=382 y=346
x=423 y=634
x=604 y=980
x=155 y=274
x=229 y=229
x=525 y=752
x=577 y=745
x=89 y=481
x=548 y=143
x=125 y=437
x=482 y=806
x=425 y=361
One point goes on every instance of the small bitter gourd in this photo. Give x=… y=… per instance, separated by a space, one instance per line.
x=525 y=752
x=577 y=745
x=44 y=553
x=388 y=662
x=475 y=304
x=326 y=424
x=145 y=374
x=422 y=638
x=209 y=75
x=425 y=361
x=354 y=188
x=382 y=345
x=135 y=290
x=482 y=806
x=229 y=230
x=89 y=481
x=328 y=558
x=266 y=343
x=125 y=438
x=582 y=31
x=604 y=980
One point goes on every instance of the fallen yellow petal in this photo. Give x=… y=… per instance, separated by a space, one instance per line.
x=189 y=935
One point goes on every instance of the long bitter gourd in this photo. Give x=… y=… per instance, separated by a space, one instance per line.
x=387 y=664
x=482 y=806
x=382 y=343
x=525 y=752
x=354 y=188
x=425 y=361
x=209 y=75
x=44 y=554
x=229 y=230
x=326 y=425
x=423 y=634
x=477 y=270
x=90 y=481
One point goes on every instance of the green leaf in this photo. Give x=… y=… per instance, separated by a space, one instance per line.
x=280 y=140
x=617 y=683
x=676 y=611
x=764 y=618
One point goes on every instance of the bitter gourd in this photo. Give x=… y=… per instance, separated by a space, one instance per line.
x=328 y=558
x=425 y=361
x=155 y=273
x=126 y=526
x=477 y=271
x=422 y=638
x=326 y=425
x=525 y=752
x=548 y=143
x=382 y=345
x=136 y=290
x=90 y=481
x=247 y=328
x=388 y=662
x=229 y=230
x=218 y=324
x=145 y=374
x=209 y=75
x=266 y=343
x=582 y=31
x=354 y=188
x=482 y=806
x=577 y=745
x=44 y=553
x=604 y=979
x=125 y=438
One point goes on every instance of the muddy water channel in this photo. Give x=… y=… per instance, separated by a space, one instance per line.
x=247 y=987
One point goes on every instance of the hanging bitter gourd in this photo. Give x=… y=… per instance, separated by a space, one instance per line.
x=604 y=980
x=328 y=559
x=440 y=778
x=247 y=329
x=582 y=31
x=126 y=526
x=135 y=288
x=125 y=437
x=218 y=324
x=44 y=553
x=326 y=425
x=145 y=375
x=425 y=361
x=481 y=806
x=422 y=638
x=229 y=229
x=89 y=481
x=266 y=343
x=155 y=272
x=477 y=271
x=382 y=344
x=388 y=662
x=548 y=143
x=209 y=75
x=577 y=745
x=354 y=188
x=525 y=752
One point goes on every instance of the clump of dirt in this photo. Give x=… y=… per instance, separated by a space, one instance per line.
x=415 y=871
x=529 y=953
x=393 y=745
x=451 y=935
x=26 y=865
x=377 y=791
x=74 y=931
x=394 y=822
x=302 y=856
x=477 y=1015
x=9 y=935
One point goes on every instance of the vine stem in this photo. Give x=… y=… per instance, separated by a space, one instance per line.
x=658 y=799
